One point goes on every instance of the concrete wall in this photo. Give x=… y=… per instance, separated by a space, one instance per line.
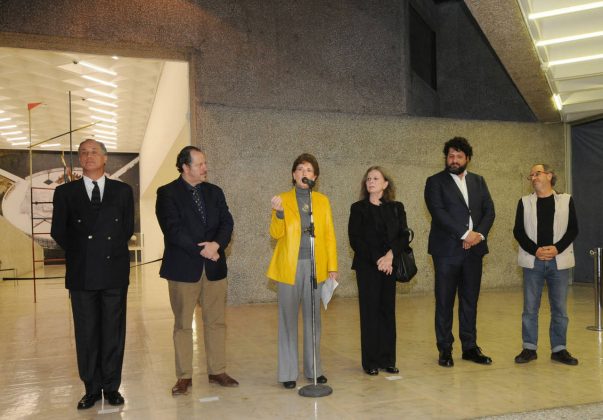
x=251 y=152
x=273 y=79
x=15 y=251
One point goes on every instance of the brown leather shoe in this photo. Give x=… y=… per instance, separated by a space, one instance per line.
x=182 y=386
x=222 y=379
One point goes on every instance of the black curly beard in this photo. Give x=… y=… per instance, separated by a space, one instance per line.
x=456 y=171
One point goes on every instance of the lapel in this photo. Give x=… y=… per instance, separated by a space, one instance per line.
x=452 y=186
x=291 y=202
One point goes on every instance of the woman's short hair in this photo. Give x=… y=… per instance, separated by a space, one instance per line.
x=389 y=194
x=184 y=157
x=307 y=158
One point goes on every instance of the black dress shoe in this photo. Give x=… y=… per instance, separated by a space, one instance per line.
x=289 y=384
x=563 y=356
x=372 y=372
x=391 y=369
x=88 y=401
x=114 y=398
x=322 y=379
x=445 y=358
x=526 y=355
x=475 y=355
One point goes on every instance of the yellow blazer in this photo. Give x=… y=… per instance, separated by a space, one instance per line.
x=287 y=232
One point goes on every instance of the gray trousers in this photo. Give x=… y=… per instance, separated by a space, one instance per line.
x=289 y=297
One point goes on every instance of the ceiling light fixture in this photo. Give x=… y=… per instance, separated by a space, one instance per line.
x=566 y=10
x=6 y=127
x=99 y=102
x=553 y=41
x=110 y=127
x=102 y=82
x=557 y=101
x=11 y=133
x=97 y=68
x=107 y=141
x=575 y=60
x=96 y=117
x=5 y=119
x=1 y=112
x=115 y=57
x=50 y=145
x=20 y=144
x=107 y=133
x=102 y=111
x=16 y=138
x=99 y=93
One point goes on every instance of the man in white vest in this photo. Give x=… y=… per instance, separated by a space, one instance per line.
x=545 y=228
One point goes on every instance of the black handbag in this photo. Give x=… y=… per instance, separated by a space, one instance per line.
x=404 y=264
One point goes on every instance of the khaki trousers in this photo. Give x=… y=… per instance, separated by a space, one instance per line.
x=211 y=296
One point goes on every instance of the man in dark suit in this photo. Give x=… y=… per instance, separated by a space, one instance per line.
x=197 y=227
x=92 y=220
x=462 y=213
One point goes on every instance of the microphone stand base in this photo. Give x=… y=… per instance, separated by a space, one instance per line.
x=315 y=391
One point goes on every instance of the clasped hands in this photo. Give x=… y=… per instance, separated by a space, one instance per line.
x=385 y=263
x=546 y=253
x=210 y=250
x=472 y=239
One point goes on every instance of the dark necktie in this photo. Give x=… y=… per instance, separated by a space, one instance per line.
x=96 y=199
x=199 y=205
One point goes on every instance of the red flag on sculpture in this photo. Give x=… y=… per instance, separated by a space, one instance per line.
x=32 y=105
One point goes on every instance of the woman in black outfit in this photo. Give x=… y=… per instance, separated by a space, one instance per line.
x=377 y=231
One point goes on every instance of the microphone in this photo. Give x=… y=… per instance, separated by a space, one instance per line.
x=310 y=183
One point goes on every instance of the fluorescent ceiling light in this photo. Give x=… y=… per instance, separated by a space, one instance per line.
x=16 y=138
x=111 y=147
x=12 y=133
x=552 y=41
x=99 y=93
x=106 y=141
x=96 y=117
x=97 y=68
x=99 y=102
x=50 y=145
x=102 y=111
x=566 y=10
x=6 y=127
x=115 y=57
x=110 y=127
x=575 y=60
x=558 y=103
x=1 y=112
x=5 y=119
x=102 y=82
x=110 y=133
x=19 y=144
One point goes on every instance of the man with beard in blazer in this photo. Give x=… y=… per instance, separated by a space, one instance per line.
x=92 y=220
x=462 y=213
x=197 y=227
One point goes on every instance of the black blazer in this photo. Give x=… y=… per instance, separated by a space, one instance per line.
x=182 y=231
x=366 y=241
x=450 y=214
x=95 y=242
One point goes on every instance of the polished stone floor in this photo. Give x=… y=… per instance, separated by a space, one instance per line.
x=38 y=373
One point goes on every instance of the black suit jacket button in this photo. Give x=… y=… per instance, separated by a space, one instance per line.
x=108 y=238
x=108 y=257
x=89 y=236
x=117 y=220
x=79 y=220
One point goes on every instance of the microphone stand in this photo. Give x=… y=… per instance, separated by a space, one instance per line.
x=314 y=389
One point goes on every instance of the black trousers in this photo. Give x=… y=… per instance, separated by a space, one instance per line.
x=99 y=318
x=452 y=274
x=377 y=302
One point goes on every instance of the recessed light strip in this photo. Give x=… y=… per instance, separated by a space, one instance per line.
x=50 y=145
x=20 y=144
x=97 y=118
x=99 y=102
x=110 y=133
x=553 y=41
x=6 y=127
x=102 y=82
x=5 y=119
x=99 y=93
x=575 y=60
x=566 y=10
x=102 y=111
x=557 y=101
x=97 y=68
x=107 y=141
x=16 y=138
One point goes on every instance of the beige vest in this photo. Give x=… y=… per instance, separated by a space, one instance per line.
x=560 y=220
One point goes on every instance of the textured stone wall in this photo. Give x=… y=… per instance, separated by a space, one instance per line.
x=250 y=155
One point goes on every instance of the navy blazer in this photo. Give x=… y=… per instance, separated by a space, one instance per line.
x=450 y=214
x=95 y=242
x=367 y=242
x=183 y=230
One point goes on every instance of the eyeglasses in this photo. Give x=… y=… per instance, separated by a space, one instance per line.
x=536 y=174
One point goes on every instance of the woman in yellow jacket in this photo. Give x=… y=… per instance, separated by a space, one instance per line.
x=291 y=266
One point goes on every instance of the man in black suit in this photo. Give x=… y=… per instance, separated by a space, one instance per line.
x=92 y=220
x=197 y=227
x=462 y=213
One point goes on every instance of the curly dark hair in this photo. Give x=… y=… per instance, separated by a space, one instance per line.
x=458 y=143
